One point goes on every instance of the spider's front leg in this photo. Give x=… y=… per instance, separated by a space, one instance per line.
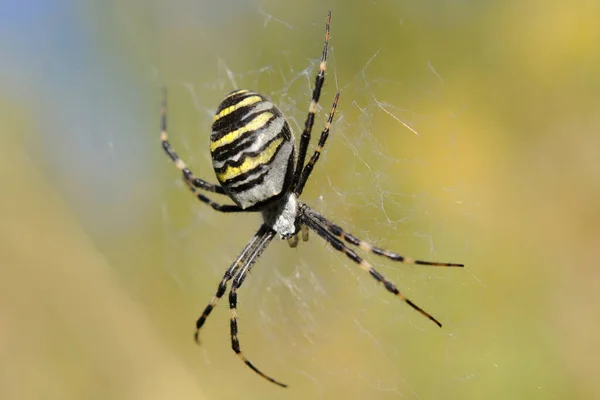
x=322 y=227
x=266 y=235
x=241 y=260
x=213 y=302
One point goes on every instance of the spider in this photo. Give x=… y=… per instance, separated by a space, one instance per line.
x=253 y=154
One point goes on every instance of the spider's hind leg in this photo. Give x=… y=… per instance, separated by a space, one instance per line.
x=312 y=110
x=307 y=170
x=188 y=176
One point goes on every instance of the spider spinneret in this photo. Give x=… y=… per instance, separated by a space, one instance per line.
x=253 y=154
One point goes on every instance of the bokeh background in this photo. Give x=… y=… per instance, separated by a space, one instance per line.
x=106 y=260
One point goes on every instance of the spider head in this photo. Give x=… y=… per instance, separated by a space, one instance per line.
x=282 y=216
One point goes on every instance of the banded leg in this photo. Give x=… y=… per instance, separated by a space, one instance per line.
x=231 y=271
x=315 y=157
x=202 y=184
x=312 y=109
x=340 y=246
x=237 y=283
x=339 y=232
x=188 y=176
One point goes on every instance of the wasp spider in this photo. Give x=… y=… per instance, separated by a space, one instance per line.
x=253 y=155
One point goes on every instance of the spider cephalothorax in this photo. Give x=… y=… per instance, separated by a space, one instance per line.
x=253 y=155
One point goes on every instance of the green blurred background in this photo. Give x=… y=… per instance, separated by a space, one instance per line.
x=107 y=261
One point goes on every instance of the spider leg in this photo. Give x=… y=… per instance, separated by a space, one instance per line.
x=231 y=271
x=202 y=184
x=264 y=240
x=312 y=109
x=337 y=231
x=337 y=244
x=315 y=157
x=188 y=176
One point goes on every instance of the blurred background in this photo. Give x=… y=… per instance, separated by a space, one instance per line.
x=466 y=131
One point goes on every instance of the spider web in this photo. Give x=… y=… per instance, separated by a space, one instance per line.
x=454 y=118
x=308 y=316
x=292 y=296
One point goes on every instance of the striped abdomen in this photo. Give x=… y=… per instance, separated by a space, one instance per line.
x=252 y=149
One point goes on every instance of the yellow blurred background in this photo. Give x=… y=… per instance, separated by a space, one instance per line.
x=107 y=260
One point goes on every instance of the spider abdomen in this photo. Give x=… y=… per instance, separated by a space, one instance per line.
x=252 y=149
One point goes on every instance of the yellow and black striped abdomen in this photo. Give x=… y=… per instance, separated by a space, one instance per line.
x=252 y=149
